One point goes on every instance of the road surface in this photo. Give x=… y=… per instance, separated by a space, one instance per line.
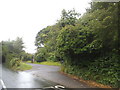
x=11 y=79
x=52 y=73
x=40 y=76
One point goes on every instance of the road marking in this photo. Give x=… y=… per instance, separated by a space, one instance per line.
x=59 y=86
x=3 y=85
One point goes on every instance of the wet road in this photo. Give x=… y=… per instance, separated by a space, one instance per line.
x=52 y=73
x=13 y=79
x=40 y=76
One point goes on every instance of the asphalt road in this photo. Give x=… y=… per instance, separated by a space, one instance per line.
x=40 y=76
x=11 y=79
x=51 y=73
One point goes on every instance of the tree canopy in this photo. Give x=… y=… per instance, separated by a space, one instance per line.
x=89 y=42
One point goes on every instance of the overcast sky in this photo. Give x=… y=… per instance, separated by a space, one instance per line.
x=24 y=18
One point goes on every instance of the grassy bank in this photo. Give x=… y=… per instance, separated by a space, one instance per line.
x=22 y=67
x=47 y=63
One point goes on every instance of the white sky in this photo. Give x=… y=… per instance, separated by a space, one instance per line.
x=25 y=18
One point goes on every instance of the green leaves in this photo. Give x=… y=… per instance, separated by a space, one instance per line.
x=12 y=52
x=68 y=18
x=84 y=43
x=15 y=62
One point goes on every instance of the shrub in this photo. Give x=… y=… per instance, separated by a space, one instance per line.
x=14 y=62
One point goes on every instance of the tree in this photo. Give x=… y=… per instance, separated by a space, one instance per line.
x=11 y=50
x=68 y=17
x=89 y=45
x=18 y=45
x=47 y=36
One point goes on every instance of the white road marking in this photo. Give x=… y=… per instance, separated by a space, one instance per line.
x=59 y=86
x=3 y=85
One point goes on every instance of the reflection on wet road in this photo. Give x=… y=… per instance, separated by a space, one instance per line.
x=23 y=80
x=52 y=73
x=40 y=76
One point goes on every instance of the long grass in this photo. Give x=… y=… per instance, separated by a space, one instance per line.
x=23 y=66
x=51 y=63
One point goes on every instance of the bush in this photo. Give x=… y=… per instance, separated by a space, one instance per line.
x=15 y=62
x=104 y=70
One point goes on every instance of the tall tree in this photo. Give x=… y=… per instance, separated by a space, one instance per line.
x=12 y=49
x=68 y=17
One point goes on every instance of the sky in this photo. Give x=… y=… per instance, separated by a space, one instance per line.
x=25 y=18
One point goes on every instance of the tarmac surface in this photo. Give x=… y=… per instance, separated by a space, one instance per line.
x=51 y=73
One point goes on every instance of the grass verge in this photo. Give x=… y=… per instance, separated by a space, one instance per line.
x=51 y=63
x=23 y=67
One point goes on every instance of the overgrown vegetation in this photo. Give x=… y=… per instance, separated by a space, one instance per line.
x=88 y=46
x=13 y=54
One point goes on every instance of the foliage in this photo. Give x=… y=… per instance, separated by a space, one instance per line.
x=88 y=44
x=103 y=70
x=26 y=56
x=14 y=62
x=68 y=18
x=12 y=52
x=41 y=55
